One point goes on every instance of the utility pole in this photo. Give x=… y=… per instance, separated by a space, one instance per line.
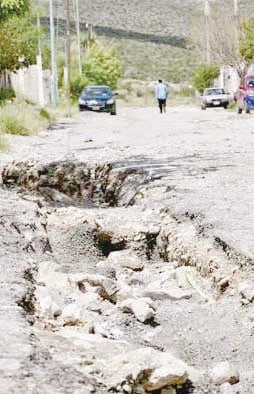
x=89 y=27
x=39 y=66
x=78 y=36
x=241 y=67
x=207 y=31
x=236 y=8
x=68 y=55
x=236 y=21
x=90 y=33
x=54 y=93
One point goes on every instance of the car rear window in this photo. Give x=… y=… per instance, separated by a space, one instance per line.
x=213 y=91
x=97 y=92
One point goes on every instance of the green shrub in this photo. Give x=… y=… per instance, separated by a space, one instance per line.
x=204 y=76
x=13 y=126
x=100 y=67
x=22 y=118
x=6 y=94
x=18 y=37
x=78 y=82
x=45 y=114
x=232 y=105
x=187 y=91
x=247 y=40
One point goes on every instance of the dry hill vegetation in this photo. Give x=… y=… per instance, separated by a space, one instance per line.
x=151 y=35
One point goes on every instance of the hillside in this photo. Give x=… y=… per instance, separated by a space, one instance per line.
x=165 y=17
x=150 y=34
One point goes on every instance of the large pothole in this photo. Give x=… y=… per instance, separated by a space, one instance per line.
x=126 y=295
x=75 y=183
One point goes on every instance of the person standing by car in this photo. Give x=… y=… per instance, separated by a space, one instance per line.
x=161 y=94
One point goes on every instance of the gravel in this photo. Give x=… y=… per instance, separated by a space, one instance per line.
x=200 y=174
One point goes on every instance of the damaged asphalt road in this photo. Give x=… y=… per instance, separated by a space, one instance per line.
x=172 y=195
x=204 y=159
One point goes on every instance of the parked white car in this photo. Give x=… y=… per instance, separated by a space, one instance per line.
x=215 y=97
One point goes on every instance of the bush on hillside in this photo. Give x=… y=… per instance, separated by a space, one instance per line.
x=101 y=66
x=186 y=91
x=204 y=76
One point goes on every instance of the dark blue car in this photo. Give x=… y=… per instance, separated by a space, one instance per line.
x=97 y=98
x=249 y=101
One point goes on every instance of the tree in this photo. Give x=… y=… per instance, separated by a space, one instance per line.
x=205 y=76
x=8 y=8
x=18 y=38
x=247 y=40
x=101 y=66
x=18 y=35
x=219 y=33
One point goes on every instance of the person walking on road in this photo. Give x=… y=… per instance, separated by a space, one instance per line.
x=161 y=94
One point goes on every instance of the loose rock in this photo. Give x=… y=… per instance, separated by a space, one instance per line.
x=224 y=372
x=141 y=308
x=246 y=291
x=125 y=258
x=148 y=368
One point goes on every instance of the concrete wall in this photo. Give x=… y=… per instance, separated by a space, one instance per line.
x=25 y=82
x=228 y=79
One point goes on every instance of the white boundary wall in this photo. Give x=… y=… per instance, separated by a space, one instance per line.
x=228 y=79
x=26 y=83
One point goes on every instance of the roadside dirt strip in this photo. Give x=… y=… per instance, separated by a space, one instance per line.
x=127 y=255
